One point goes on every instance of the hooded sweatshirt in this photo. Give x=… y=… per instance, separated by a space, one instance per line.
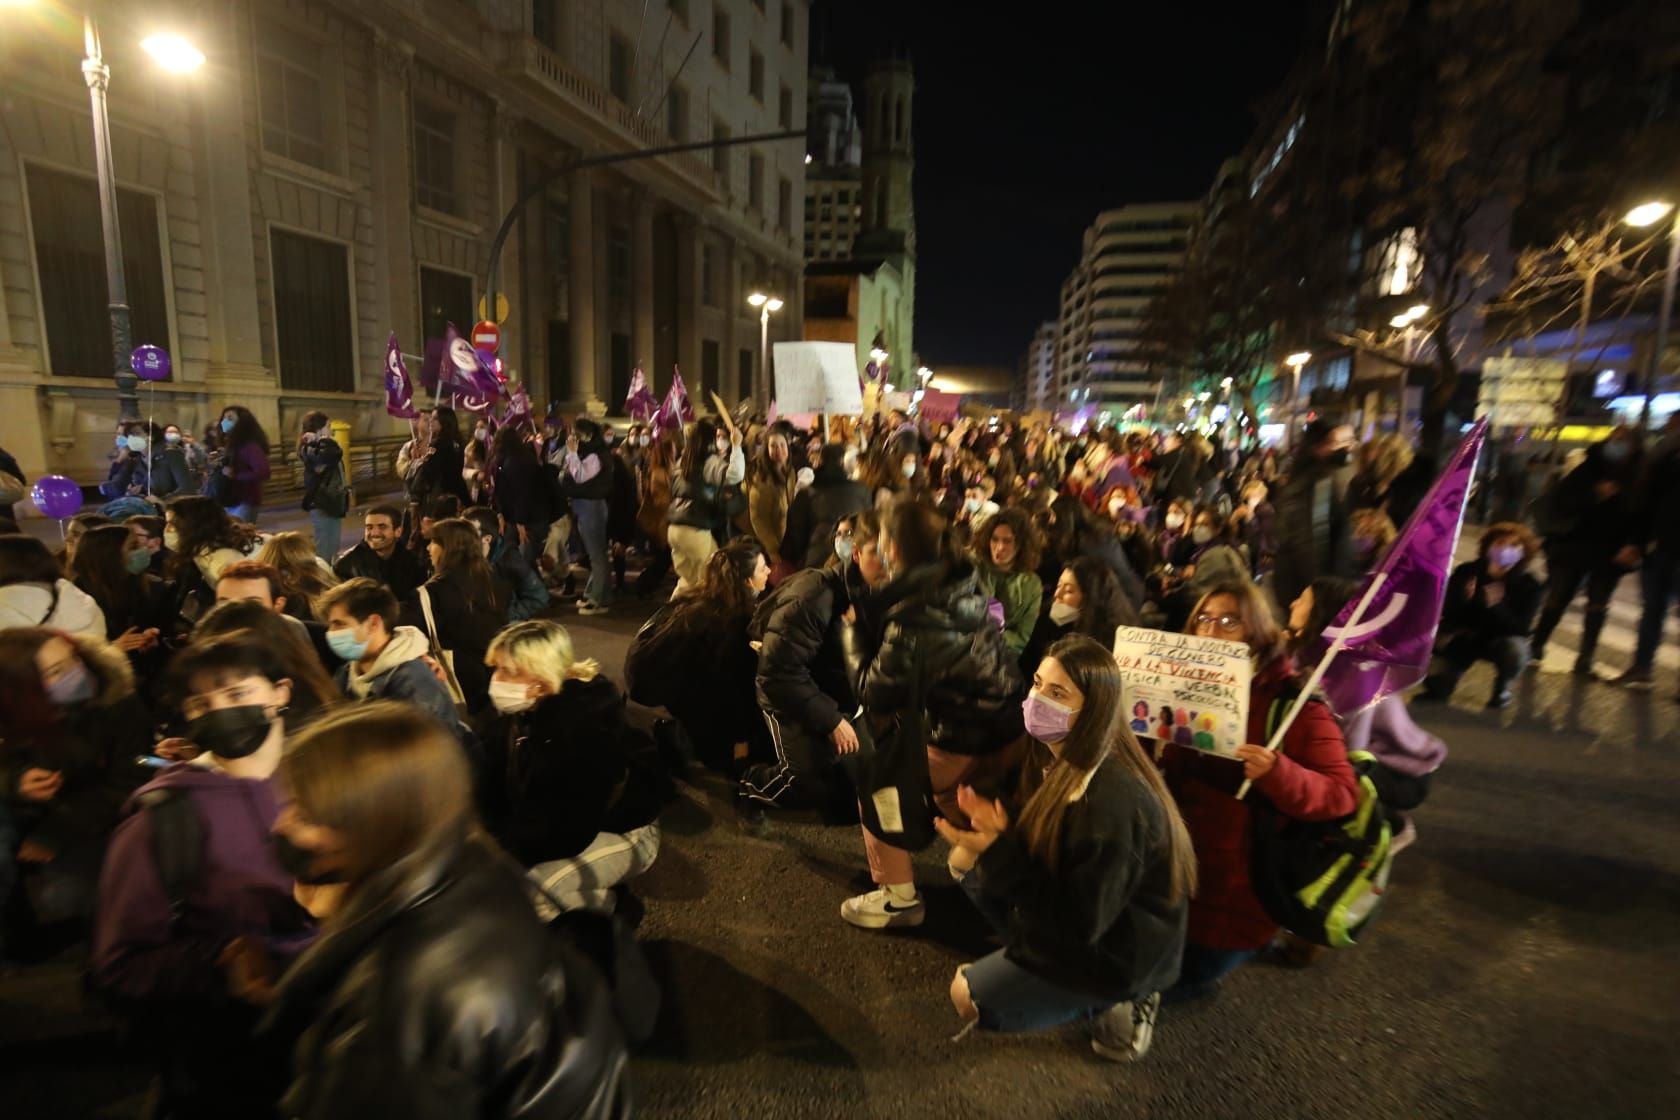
x=33 y=604
x=139 y=953
x=398 y=673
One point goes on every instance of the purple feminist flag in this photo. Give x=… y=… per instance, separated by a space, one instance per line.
x=467 y=370
x=1388 y=647
x=519 y=404
x=676 y=411
x=640 y=403
x=399 y=388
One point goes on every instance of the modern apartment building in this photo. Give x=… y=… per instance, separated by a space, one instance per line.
x=1127 y=257
x=1037 y=379
x=336 y=171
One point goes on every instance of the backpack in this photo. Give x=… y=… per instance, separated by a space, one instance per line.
x=332 y=492
x=1323 y=881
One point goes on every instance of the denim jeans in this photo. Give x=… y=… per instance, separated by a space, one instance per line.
x=591 y=515
x=329 y=531
x=245 y=511
x=1202 y=970
x=1659 y=579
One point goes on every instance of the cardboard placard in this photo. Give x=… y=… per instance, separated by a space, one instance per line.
x=817 y=377
x=1185 y=690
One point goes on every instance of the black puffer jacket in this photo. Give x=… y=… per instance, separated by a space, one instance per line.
x=444 y=996
x=815 y=512
x=802 y=667
x=935 y=619
x=700 y=666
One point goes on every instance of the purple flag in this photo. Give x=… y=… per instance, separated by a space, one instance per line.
x=1389 y=647
x=640 y=403
x=467 y=369
x=676 y=410
x=519 y=404
x=399 y=389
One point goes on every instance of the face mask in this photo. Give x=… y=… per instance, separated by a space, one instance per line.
x=1047 y=721
x=805 y=477
x=992 y=459
x=1506 y=555
x=909 y=468
x=122 y=442
x=231 y=732
x=1254 y=502
x=344 y=645
x=136 y=443
x=171 y=539
x=972 y=505
x=227 y=426
x=1175 y=521
x=137 y=561
x=72 y=687
x=1062 y=614
x=1201 y=534
x=172 y=437
x=642 y=441
x=510 y=698
x=843 y=549
x=298 y=861
x=1116 y=508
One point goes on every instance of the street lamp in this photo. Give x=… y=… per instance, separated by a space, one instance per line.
x=766 y=305
x=1295 y=361
x=1649 y=214
x=176 y=54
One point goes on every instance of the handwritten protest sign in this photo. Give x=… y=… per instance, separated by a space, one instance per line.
x=817 y=377
x=1185 y=690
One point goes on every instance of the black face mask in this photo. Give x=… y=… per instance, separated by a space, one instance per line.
x=299 y=862
x=231 y=732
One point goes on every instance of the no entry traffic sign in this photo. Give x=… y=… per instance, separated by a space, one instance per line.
x=487 y=336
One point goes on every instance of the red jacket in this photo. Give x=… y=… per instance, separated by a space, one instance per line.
x=1310 y=781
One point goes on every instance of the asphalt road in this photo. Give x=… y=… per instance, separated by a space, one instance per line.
x=1524 y=965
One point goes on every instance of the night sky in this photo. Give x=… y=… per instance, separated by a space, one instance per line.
x=1025 y=128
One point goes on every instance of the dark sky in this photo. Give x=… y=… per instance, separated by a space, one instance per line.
x=1025 y=128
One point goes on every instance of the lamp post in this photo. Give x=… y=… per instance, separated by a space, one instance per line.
x=1649 y=214
x=766 y=305
x=1406 y=322
x=1295 y=361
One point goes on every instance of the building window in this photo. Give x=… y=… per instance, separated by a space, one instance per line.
x=545 y=23
x=784 y=205
x=755 y=76
x=70 y=259
x=619 y=62
x=434 y=158
x=720 y=36
x=312 y=313
x=720 y=156
x=676 y=113
x=708 y=276
x=784 y=107
x=291 y=94
x=445 y=297
x=787 y=25
x=618 y=266
x=745 y=363
x=711 y=365
x=755 y=182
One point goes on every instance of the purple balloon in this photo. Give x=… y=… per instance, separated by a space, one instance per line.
x=151 y=363
x=56 y=496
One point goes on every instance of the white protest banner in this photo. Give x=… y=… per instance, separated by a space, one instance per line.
x=817 y=377
x=1185 y=690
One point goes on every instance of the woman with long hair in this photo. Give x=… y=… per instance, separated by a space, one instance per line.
x=323 y=462
x=436 y=468
x=1005 y=554
x=112 y=566
x=1086 y=872
x=521 y=491
x=204 y=541
x=694 y=657
x=304 y=576
x=1086 y=600
x=313 y=690
x=770 y=488
x=462 y=606
x=243 y=463
x=1308 y=779
x=1074 y=532
x=424 y=920
x=1490 y=606
x=711 y=459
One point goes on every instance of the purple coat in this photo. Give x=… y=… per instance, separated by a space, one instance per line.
x=138 y=953
x=250 y=471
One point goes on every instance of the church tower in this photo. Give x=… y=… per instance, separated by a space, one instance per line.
x=889 y=211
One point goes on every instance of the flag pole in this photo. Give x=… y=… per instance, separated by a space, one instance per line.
x=1354 y=619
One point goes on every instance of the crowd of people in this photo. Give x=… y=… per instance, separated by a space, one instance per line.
x=327 y=811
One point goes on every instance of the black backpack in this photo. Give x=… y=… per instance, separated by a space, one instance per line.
x=177 y=843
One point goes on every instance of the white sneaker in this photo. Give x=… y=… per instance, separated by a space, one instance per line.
x=878 y=910
x=1120 y=1041
x=586 y=608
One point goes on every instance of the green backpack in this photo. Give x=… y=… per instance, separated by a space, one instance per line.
x=1323 y=881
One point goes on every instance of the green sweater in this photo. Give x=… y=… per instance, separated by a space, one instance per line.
x=1022 y=594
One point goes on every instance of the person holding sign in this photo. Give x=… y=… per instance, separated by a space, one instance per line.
x=1307 y=779
x=711 y=459
x=1086 y=876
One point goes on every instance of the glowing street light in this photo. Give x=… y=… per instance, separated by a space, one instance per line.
x=173 y=53
x=1649 y=214
x=765 y=304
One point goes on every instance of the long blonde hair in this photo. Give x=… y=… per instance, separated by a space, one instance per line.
x=302 y=575
x=544 y=650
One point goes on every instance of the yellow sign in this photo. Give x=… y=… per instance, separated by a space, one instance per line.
x=501 y=308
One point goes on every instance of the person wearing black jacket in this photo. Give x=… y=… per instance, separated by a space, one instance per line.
x=436 y=471
x=816 y=511
x=522 y=490
x=323 y=460
x=1314 y=513
x=434 y=989
x=1589 y=524
x=381 y=555
x=467 y=602
x=1073 y=531
x=938 y=639
x=1656 y=533
x=805 y=684
x=142 y=612
x=528 y=594
x=1086 y=874
x=566 y=792
x=588 y=483
x=1489 y=610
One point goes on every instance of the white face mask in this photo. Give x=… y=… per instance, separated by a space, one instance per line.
x=1062 y=614
x=909 y=468
x=1175 y=521
x=1202 y=534
x=510 y=698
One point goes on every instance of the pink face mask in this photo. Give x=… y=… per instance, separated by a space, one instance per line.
x=1046 y=720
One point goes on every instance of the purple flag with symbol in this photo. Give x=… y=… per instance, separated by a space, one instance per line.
x=676 y=411
x=1388 y=647
x=640 y=403
x=519 y=404
x=466 y=369
x=399 y=387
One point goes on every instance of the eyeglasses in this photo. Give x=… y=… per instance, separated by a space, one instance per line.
x=1225 y=622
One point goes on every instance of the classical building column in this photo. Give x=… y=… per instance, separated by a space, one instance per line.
x=588 y=374
x=688 y=301
x=734 y=299
x=395 y=283
x=641 y=279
